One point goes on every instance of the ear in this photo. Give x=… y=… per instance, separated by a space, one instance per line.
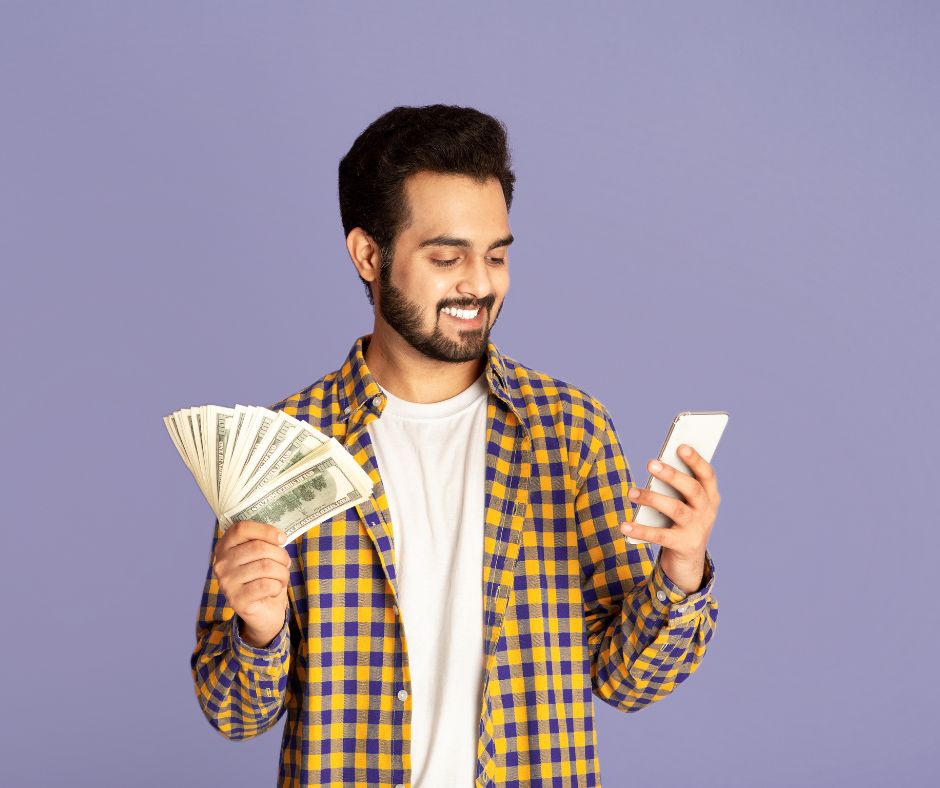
x=364 y=253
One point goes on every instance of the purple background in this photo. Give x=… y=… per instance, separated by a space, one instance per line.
x=743 y=195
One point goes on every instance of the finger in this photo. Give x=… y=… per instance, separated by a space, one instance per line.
x=674 y=509
x=661 y=536
x=264 y=567
x=703 y=471
x=244 y=530
x=258 y=590
x=255 y=550
x=689 y=487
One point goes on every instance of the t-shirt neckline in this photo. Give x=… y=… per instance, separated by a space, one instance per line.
x=397 y=406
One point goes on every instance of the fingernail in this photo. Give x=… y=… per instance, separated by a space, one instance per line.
x=281 y=538
x=626 y=528
x=656 y=466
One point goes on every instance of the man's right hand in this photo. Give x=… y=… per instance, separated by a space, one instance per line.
x=253 y=571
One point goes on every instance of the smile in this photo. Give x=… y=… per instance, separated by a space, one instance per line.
x=466 y=315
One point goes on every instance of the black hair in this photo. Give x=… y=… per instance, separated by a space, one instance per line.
x=406 y=140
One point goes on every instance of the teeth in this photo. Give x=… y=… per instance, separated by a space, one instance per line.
x=465 y=314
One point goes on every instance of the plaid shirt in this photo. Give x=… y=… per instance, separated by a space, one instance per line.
x=571 y=609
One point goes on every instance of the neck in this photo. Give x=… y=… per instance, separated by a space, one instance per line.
x=412 y=376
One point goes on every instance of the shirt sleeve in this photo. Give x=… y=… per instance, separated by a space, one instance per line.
x=645 y=635
x=242 y=690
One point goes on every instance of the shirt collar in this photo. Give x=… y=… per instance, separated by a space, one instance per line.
x=357 y=387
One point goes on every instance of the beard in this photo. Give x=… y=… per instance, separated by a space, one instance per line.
x=405 y=316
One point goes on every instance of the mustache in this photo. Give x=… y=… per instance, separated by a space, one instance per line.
x=486 y=303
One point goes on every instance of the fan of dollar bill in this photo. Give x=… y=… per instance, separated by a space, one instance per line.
x=252 y=463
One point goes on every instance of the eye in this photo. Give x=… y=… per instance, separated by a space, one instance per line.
x=446 y=263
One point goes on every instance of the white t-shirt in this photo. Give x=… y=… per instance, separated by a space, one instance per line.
x=432 y=460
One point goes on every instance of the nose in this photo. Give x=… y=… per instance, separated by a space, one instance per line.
x=475 y=278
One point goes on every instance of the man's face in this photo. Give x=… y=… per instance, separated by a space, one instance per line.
x=454 y=253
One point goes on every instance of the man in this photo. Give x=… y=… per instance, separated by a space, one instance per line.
x=452 y=630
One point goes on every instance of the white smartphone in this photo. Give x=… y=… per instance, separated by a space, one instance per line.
x=699 y=429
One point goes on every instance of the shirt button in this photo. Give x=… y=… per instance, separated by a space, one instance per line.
x=402 y=694
x=395 y=608
x=346 y=411
x=681 y=609
x=376 y=401
x=399 y=786
x=661 y=596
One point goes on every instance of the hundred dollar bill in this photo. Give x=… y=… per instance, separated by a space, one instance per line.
x=285 y=434
x=261 y=420
x=307 y=494
x=186 y=422
x=239 y=455
x=218 y=425
x=174 y=432
x=239 y=420
x=300 y=445
x=278 y=433
x=199 y=436
x=279 y=436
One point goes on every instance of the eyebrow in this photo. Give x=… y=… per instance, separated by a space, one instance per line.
x=449 y=240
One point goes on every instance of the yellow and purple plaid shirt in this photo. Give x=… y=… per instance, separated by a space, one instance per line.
x=571 y=609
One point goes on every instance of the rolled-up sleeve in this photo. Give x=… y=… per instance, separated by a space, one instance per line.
x=645 y=635
x=242 y=690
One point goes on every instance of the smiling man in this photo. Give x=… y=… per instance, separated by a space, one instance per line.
x=454 y=629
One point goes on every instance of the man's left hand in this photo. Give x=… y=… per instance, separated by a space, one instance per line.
x=682 y=546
